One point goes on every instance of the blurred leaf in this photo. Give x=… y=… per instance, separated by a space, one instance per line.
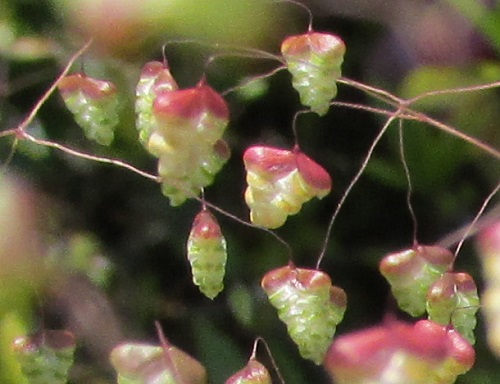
x=11 y=326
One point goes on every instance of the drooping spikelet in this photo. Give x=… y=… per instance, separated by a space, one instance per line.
x=411 y=273
x=155 y=77
x=309 y=305
x=314 y=60
x=207 y=254
x=253 y=373
x=279 y=182
x=94 y=104
x=139 y=363
x=453 y=299
x=400 y=353
x=186 y=137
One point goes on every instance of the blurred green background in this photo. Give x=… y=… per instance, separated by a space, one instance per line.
x=113 y=250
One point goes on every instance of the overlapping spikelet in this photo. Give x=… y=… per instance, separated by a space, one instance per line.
x=279 y=182
x=314 y=60
x=309 y=305
x=93 y=103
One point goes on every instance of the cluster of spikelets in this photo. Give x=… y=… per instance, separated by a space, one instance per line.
x=183 y=128
x=422 y=280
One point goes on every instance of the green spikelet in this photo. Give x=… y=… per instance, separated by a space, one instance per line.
x=155 y=77
x=314 y=60
x=411 y=273
x=186 y=137
x=137 y=363
x=207 y=254
x=253 y=373
x=279 y=182
x=453 y=299
x=309 y=305
x=94 y=104
x=46 y=358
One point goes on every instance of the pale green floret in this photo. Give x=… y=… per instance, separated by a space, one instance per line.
x=315 y=79
x=208 y=264
x=310 y=317
x=98 y=118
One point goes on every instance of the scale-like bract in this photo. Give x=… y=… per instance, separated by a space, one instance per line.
x=309 y=305
x=94 y=104
x=314 y=60
x=155 y=77
x=47 y=357
x=253 y=373
x=411 y=273
x=279 y=182
x=489 y=252
x=186 y=137
x=207 y=254
x=453 y=299
x=138 y=363
x=400 y=353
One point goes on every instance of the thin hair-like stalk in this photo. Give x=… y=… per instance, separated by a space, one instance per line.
x=119 y=163
x=252 y=79
x=408 y=180
x=251 y=225
x=294 y=126
x=352 y=184
x=269 y=353
x=303 y=6
x=476 y=218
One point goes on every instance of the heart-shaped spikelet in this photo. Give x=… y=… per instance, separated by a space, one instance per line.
x=309 y=305
x=207 y=254
x=279 y=182
x=453 y=299
x=411 y=273
x=400 y=353
x=93 y=103
x=139 y=363
x=187 y=138
x=314 y=60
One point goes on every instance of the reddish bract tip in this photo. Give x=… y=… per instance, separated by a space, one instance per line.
x=280 y=162
x=152 y=68
x=191 y=103
x=269 y=161
x=299 y=277
x=313 y=173
x=456 y=346
x=312 y=41
x=435 y=255
x=253 y=372
x=205 y=225
x=450 y=284
x=93 y=88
